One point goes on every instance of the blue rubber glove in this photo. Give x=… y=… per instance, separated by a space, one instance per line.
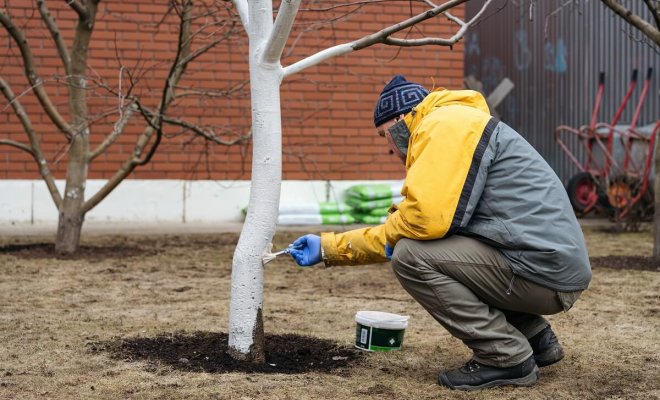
x=388 y=251
x=307 y=250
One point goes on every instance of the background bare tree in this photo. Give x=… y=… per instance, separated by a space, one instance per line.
x=200 y=28
x=650 y=29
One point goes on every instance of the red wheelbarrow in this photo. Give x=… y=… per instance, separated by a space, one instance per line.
x=614 y=177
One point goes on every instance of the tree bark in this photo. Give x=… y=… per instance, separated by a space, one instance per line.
x=71 y=214
x=246 y=334
x=656 y=198
x=635 y=20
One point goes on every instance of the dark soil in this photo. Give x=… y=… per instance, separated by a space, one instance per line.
x=128 y=249
x=625 y=262
x=207 y=352
x=34 y=251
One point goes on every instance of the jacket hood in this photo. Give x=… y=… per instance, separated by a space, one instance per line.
x=442 y=97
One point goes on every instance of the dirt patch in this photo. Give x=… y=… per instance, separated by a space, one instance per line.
x=207 y=352
x=625 y=262
x=63 y=319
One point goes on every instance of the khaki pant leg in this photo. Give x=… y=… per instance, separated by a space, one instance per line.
x=528 y=324
x=464 y=284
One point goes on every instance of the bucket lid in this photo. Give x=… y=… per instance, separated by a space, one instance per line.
x=381 y=319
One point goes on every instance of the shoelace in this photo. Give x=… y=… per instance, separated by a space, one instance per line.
x=472 y=366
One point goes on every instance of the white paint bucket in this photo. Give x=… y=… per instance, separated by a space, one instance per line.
x=379 y=331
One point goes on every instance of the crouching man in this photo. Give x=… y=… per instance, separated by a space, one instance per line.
x=485 y=238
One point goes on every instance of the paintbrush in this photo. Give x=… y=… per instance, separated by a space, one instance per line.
x=268 y=256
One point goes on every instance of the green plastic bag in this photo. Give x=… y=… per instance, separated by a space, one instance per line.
x=370 y=191
x=315 y=219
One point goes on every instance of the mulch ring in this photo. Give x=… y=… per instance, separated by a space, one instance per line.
x=207 y=352
x=626 y=262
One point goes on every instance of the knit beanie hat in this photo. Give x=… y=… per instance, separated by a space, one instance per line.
x=398 y=97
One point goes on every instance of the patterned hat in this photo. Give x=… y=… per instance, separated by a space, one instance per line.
x=398 y=97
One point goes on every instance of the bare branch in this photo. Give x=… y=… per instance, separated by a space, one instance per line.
x=451 y=17
x=384 y=36
x=363 y=3
x=117 y=130
x=80 y=9
x=655 y=11
x=192 y=56
x=439 y=41
x=126 y=168
x=18 y=145
x=379 y=37
x=32 y=75
x=211 y=93
x=34 y=148
x=207 y=133
x=553 y=13
x=55 y=33
x=150 y=139
x=418 y=42
x=155 y=122
x=280 y=32
x=242 y=8
x=634 y=20
x=176 y=71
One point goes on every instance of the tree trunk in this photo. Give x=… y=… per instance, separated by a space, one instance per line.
x=246 y=333
x=656 y=202
x=71 y=215
x=68 y=230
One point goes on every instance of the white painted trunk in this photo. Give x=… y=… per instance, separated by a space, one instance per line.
x=245 y=317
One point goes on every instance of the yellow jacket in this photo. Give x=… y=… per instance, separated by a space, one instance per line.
x=445 y=130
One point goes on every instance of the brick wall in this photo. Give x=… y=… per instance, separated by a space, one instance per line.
x=327 y=110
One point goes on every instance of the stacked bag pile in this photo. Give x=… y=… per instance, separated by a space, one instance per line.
x=323 y=213
x=365 y=204
x=371 y=202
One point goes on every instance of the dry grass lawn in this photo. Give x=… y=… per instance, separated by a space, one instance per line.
x=54 y=312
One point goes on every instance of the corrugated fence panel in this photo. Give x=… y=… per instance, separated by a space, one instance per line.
x=554 y=51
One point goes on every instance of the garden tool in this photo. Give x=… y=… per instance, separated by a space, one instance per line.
x=268 y=256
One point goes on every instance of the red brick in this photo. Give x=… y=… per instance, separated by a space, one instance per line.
x=327 y=110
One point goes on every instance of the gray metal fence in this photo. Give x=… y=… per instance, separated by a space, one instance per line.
x=553 y=51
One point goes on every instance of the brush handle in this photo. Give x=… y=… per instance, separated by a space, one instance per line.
x=286 y=251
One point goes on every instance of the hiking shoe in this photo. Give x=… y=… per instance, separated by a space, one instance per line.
x=474 y=375
x=547 y=349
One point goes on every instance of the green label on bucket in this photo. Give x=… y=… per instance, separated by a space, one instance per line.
x=377 y=339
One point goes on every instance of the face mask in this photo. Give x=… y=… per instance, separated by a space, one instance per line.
x=400 y=136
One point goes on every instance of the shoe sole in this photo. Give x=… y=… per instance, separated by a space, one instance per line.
x=528 y=380
x=549 y=357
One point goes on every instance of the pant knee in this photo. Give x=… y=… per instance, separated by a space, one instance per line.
x=403 y=257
